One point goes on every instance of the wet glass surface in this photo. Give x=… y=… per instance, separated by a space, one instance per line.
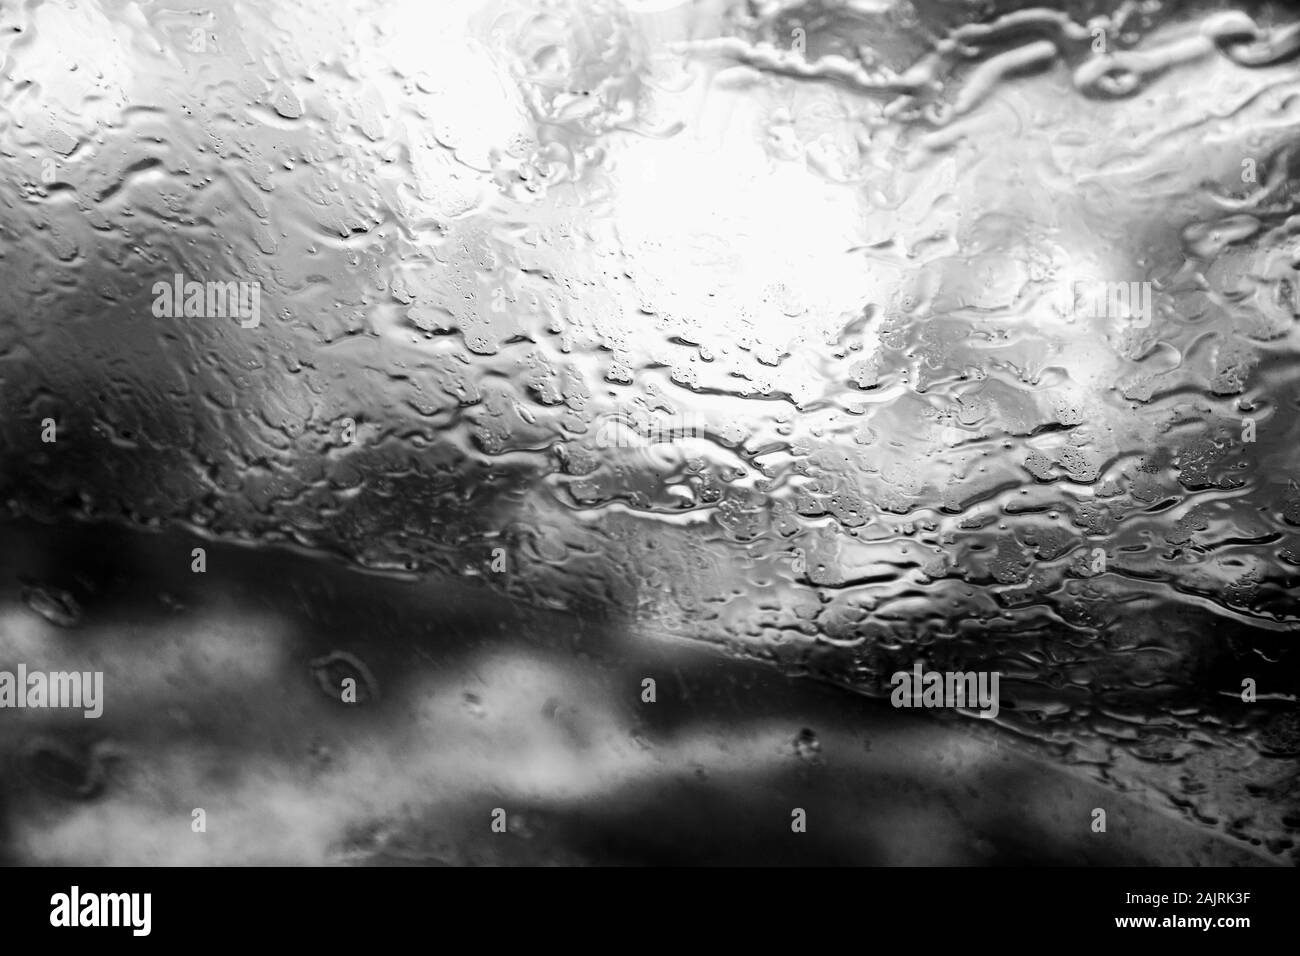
x=762 y=349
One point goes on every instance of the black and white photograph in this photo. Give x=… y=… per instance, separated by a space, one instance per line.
x=593 y=434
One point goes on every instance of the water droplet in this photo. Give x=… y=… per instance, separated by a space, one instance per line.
x=806 y=746
x=57 y=606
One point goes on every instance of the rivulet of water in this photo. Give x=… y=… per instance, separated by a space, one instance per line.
x=833 y=337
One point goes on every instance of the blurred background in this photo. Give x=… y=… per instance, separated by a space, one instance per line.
x=726 y=345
